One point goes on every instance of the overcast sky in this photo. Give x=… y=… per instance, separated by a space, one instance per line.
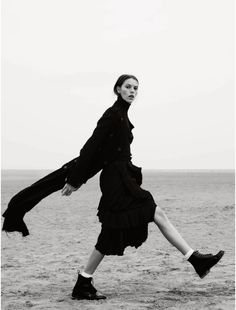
x=61 y=58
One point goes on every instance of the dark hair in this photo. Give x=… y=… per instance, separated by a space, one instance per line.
x=121 y=80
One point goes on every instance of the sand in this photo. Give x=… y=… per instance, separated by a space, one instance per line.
x=39 y=271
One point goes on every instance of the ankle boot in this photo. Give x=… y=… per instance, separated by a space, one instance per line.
x=202 y=263
x=84 y=289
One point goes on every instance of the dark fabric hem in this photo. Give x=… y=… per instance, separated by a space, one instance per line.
x=114 y=241
x=129 y=218
x=13 y=224
x=116 y=253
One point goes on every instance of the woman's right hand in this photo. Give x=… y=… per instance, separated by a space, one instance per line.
x=68 y=189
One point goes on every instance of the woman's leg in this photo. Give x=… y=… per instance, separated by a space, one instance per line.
x=170 y=232
x=93 y=262
x=202 y=263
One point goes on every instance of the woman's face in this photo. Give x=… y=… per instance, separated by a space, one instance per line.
x=128 y=90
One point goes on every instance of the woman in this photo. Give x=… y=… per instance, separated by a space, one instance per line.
x=125 y=209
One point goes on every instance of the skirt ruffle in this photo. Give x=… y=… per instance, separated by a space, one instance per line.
x=125 y=209
x=114 y=241
x=131 y=218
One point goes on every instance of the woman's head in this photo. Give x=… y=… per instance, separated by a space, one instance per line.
x=127 y=87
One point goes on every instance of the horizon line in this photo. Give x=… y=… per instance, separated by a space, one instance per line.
x=53 y=169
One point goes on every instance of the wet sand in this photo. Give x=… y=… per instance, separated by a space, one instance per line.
x=39 y=271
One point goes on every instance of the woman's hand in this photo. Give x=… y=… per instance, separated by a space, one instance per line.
x=68 y=189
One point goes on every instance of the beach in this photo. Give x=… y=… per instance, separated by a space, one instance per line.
x=39 y=271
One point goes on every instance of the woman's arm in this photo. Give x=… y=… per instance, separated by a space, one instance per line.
x=79 y=174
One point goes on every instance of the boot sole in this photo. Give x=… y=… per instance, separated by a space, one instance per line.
x=84 y=298
x=219 y=256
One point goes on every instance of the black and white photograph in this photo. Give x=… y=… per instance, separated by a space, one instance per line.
x=117 y=170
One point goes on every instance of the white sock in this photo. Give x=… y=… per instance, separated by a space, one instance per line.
x=86 y=275
x=188 y=254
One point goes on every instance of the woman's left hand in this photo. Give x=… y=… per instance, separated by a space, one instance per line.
x=68 y=189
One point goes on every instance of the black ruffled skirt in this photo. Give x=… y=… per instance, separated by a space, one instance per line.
x=125 y=209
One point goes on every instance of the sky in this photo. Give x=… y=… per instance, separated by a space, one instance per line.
x=61 y=58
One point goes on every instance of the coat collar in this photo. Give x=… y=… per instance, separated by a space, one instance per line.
x=122 y=104
x=124 y=107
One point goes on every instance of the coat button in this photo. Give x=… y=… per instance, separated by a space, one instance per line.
x=65 y=167
x=119 y=149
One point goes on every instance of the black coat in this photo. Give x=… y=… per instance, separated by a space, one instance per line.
x=109 y=142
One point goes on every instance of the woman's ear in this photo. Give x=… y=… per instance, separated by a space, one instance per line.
x=118 y=89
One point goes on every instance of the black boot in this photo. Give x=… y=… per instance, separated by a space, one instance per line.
x=84 y=289
x=202 y=263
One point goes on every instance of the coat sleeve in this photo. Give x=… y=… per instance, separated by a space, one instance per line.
x=80 y=172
